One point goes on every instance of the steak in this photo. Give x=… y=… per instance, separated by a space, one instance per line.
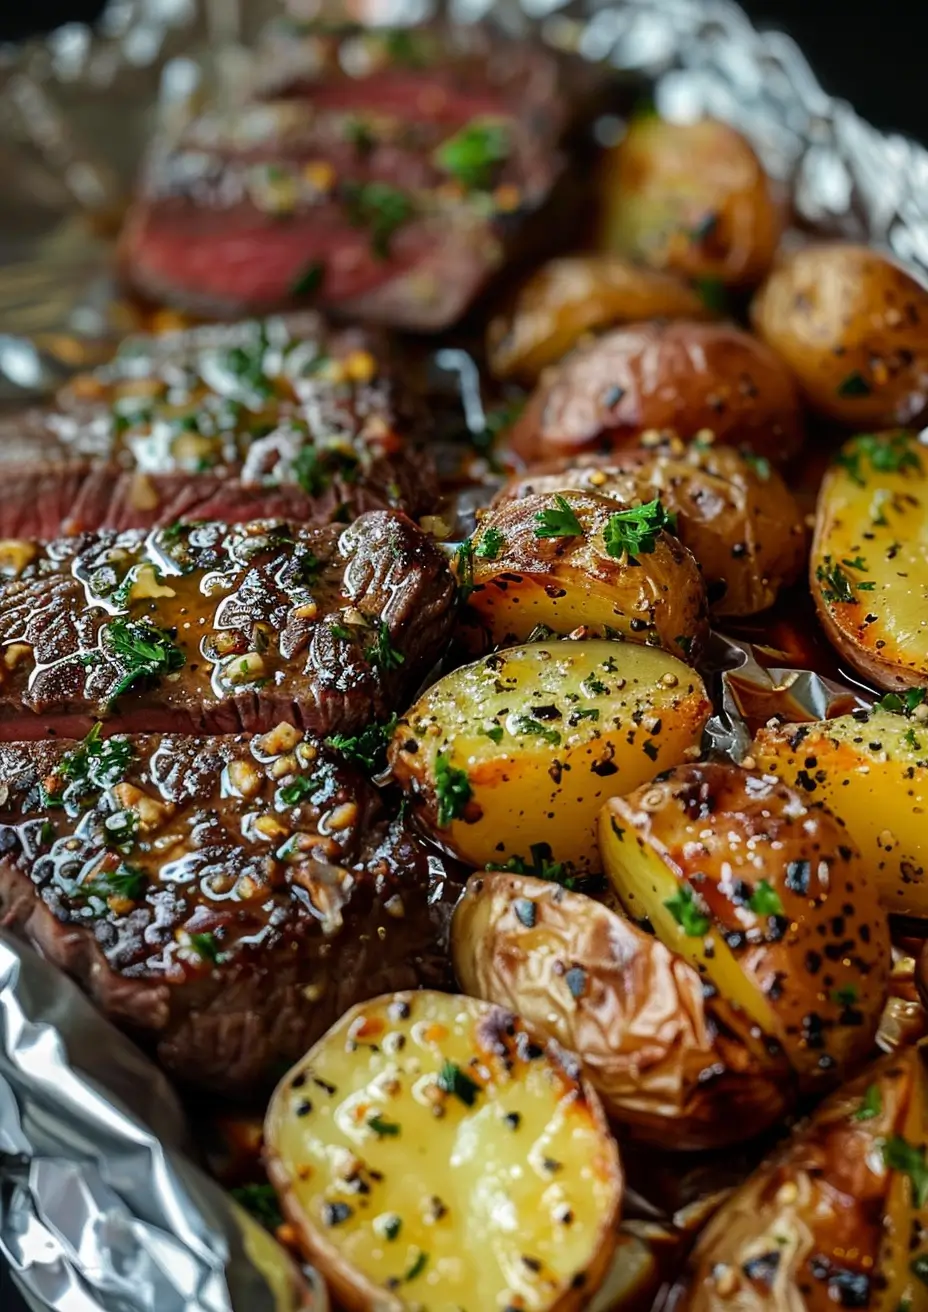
x=283 y=419
x=384 y=175
x=211 y=628
x=224 y=899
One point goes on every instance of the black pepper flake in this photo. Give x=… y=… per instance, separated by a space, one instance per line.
x=813 y=962
x=525 y=912
x=532 y=1263
x=576 y=981
x=797 y=877
x=304 y=1108
x=612 y=396
x=399 y=1011
x=552 y=1165
x=324 y=1085
x=513 y=1120
x=336 y=1214
x=763 y=1268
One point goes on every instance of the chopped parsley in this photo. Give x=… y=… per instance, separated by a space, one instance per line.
x=635 y=531
x=900 y=1155
x=711 y=291
x=301 y=787
x=474 y=154
x=760 y=464
x=903 y=703
x=206 y=946
x=392 y=1226
x=837 y=588
x=910 y=740
x=125 y=881
x=314 y=470
x=382 y=1128
x=846 y=996
x=559 y=522
x=490 y=544
x=887 y=453
x=494 y=733
x=368 y=748
x=452 y=1080
x=417 y=1267
x=141 y=650
x=260 y=1201
x=765 y=900
x=871 y=1106
x=382 y=653
x=464 y=568
x=452 y=790
x=526 y=724
x=541 y=866
x=685 y=911
x=309 y=280
x=854 y=385
x=98 y=763
x=380 y=208
x=593 y=687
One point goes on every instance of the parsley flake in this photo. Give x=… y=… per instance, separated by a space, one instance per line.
x=685 y=911
x=454 y=1081
x=380 y=208
x=900 y=1155
x=490 y=544
x=260 y=1201
x=382 y=653
x=765 y=900
x=871 y=1105
x=559 y=521
x=452 y=790
x=635 y=531
x=474 y=154
x=141 y=651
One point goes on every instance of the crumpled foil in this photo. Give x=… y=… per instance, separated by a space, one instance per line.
x=101 y=1208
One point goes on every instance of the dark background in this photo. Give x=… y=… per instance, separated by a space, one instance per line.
x=870 y=54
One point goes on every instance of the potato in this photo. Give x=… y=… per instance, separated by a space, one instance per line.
x=677 y=1067
x=853 y=328
x=871 y=769
x=430 y=1152
x=578 y=560
x=578 y=294
x=520 y=750
x=837 y=1217
x=868 y=565
x=768 y=898
x=690 y=197
x=633 y=1279
x=694 y=378
x=734 y=511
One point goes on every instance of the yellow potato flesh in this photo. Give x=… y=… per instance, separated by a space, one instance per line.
x=904 y=1218
x=873 y=773
x=869 y=562
x=576 y=723
x=506 y=1195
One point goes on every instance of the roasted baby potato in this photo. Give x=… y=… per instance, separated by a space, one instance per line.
x=868 y=564
x=871 y=769
x=692 y=198
x=633 y=1279
x=677 y=1066
x=694 y=378
x=853 y=327
x=579 y=294
x=566 y=560
x=768 y=898
x=733 y=510
x=520 y=750
x=837 y=1217
x=431 y=1152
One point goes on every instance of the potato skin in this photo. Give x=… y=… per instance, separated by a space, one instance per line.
x=656 y=597
x=579 y=294
x=871 y=769
x=689 y=377
x=853 y=328
x=734 y=511
x=665 y=1060
x=767 y=896
x=824 y=1223
x=867 y=567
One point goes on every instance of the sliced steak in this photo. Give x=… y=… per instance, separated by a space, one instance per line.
x=384 y=178
x=215 y=629
x=278 y=419
x=224 y=899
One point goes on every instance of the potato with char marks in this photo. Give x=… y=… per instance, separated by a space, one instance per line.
x=733 y=510
x=511 y=758
x=566 y=560
x=838 y=1217
x=678 y=1066
x=853 y=327
x=430 y=1151
x=871 y=769
x=768 y=898
x=868 y=573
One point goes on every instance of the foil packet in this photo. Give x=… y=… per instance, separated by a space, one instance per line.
x=101 y=1205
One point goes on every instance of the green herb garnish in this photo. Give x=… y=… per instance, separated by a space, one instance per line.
x=541 y=866
x=451 y=1079
x=490 y=544
x=125 y=881
x=474 y=154
x=452 y=790
x=293 y=793
x=417 y=1267
x=494 y=733
x=260 y=1201
x=464 y=568
x=380 y=208
x=206 y=946
x=854 y=385
x=309 y=280
x=845 y=996
x=526 y=724
x=760 y=464
x=871 y=1106
x=368 y=748
x=140 y=649
x=713 y=294
x=685 y=911
x=903 y=703
x=381 y=652
x=635 y=531
x=560 y=522
x=900 y=1155
x=97 y=764
x=765 y=900
x=382 y=1128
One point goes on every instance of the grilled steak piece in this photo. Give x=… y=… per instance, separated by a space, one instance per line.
x=279 y=419
x=225 y=899
x=383 y=174
x=215 y=629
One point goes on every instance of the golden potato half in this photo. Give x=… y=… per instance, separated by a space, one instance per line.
x=869 y=563
x=733 y=510
x=853 y=328
x=690 y=197
x=578 y=294
x=569 y=560
x=676 y=1066
x=871 y=769
x=689 y=377
x=431 y=1152
x=837 y=1218
x=520 y=750
x=767 y=897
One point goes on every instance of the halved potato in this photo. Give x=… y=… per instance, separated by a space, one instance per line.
x=869 y=564
x=520 y=750
x=692 y=197
x=853 y=327
x=577 y=294
x=633 y=1279
x=734 y=511
x=837 y=1217
x=690 y=377
x=767 y=897
x=871 y=769
x=568 y=560
x=666 y=1060
x=432 y=1153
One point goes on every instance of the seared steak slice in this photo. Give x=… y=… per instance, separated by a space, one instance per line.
x=283 y=419
x=382 y=175
x=214 y=629
x=225 y=899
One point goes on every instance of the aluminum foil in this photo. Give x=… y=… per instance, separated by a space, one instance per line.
x=101 y=1207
